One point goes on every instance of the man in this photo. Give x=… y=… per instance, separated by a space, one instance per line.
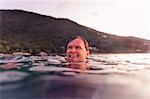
x=77 y=52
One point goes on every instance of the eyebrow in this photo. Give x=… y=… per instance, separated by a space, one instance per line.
x=73 y=46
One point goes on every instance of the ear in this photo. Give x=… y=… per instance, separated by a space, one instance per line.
x=88 y=52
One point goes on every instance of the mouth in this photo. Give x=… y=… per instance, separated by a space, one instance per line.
x=73 y=56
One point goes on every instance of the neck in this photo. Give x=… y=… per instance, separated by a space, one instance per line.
x=78 y=65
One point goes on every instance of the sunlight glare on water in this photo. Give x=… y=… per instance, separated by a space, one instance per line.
x=137 y=58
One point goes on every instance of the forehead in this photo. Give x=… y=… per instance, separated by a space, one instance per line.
x=76 y=41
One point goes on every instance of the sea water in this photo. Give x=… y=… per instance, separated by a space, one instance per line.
x=112 y=76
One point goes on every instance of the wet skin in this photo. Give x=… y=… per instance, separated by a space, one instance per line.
x=76 y=51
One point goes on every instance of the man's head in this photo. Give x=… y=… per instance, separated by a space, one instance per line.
x=77 y=50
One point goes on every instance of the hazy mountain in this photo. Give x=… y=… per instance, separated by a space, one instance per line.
x=31 y=32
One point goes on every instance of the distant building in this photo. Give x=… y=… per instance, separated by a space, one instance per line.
x=93 y=49
x=21 y=53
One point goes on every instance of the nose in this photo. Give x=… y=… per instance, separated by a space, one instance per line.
x=73 y=49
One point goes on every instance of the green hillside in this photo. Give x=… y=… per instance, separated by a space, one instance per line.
x=31 y=32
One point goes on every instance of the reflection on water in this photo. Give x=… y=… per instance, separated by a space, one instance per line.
x=109 y=76
x=138 y=58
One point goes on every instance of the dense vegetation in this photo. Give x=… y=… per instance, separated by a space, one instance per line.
x=30 y=32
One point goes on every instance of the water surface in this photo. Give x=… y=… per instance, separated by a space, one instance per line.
x=111 y=76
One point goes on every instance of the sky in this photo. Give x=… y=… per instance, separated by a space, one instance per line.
x=117 y=17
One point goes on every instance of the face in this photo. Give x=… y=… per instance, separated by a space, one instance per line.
x=76 y=51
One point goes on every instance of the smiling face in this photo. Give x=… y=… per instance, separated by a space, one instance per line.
x=76 y=51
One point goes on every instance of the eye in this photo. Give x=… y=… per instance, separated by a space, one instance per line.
x=78 y=47
x=69 y=47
